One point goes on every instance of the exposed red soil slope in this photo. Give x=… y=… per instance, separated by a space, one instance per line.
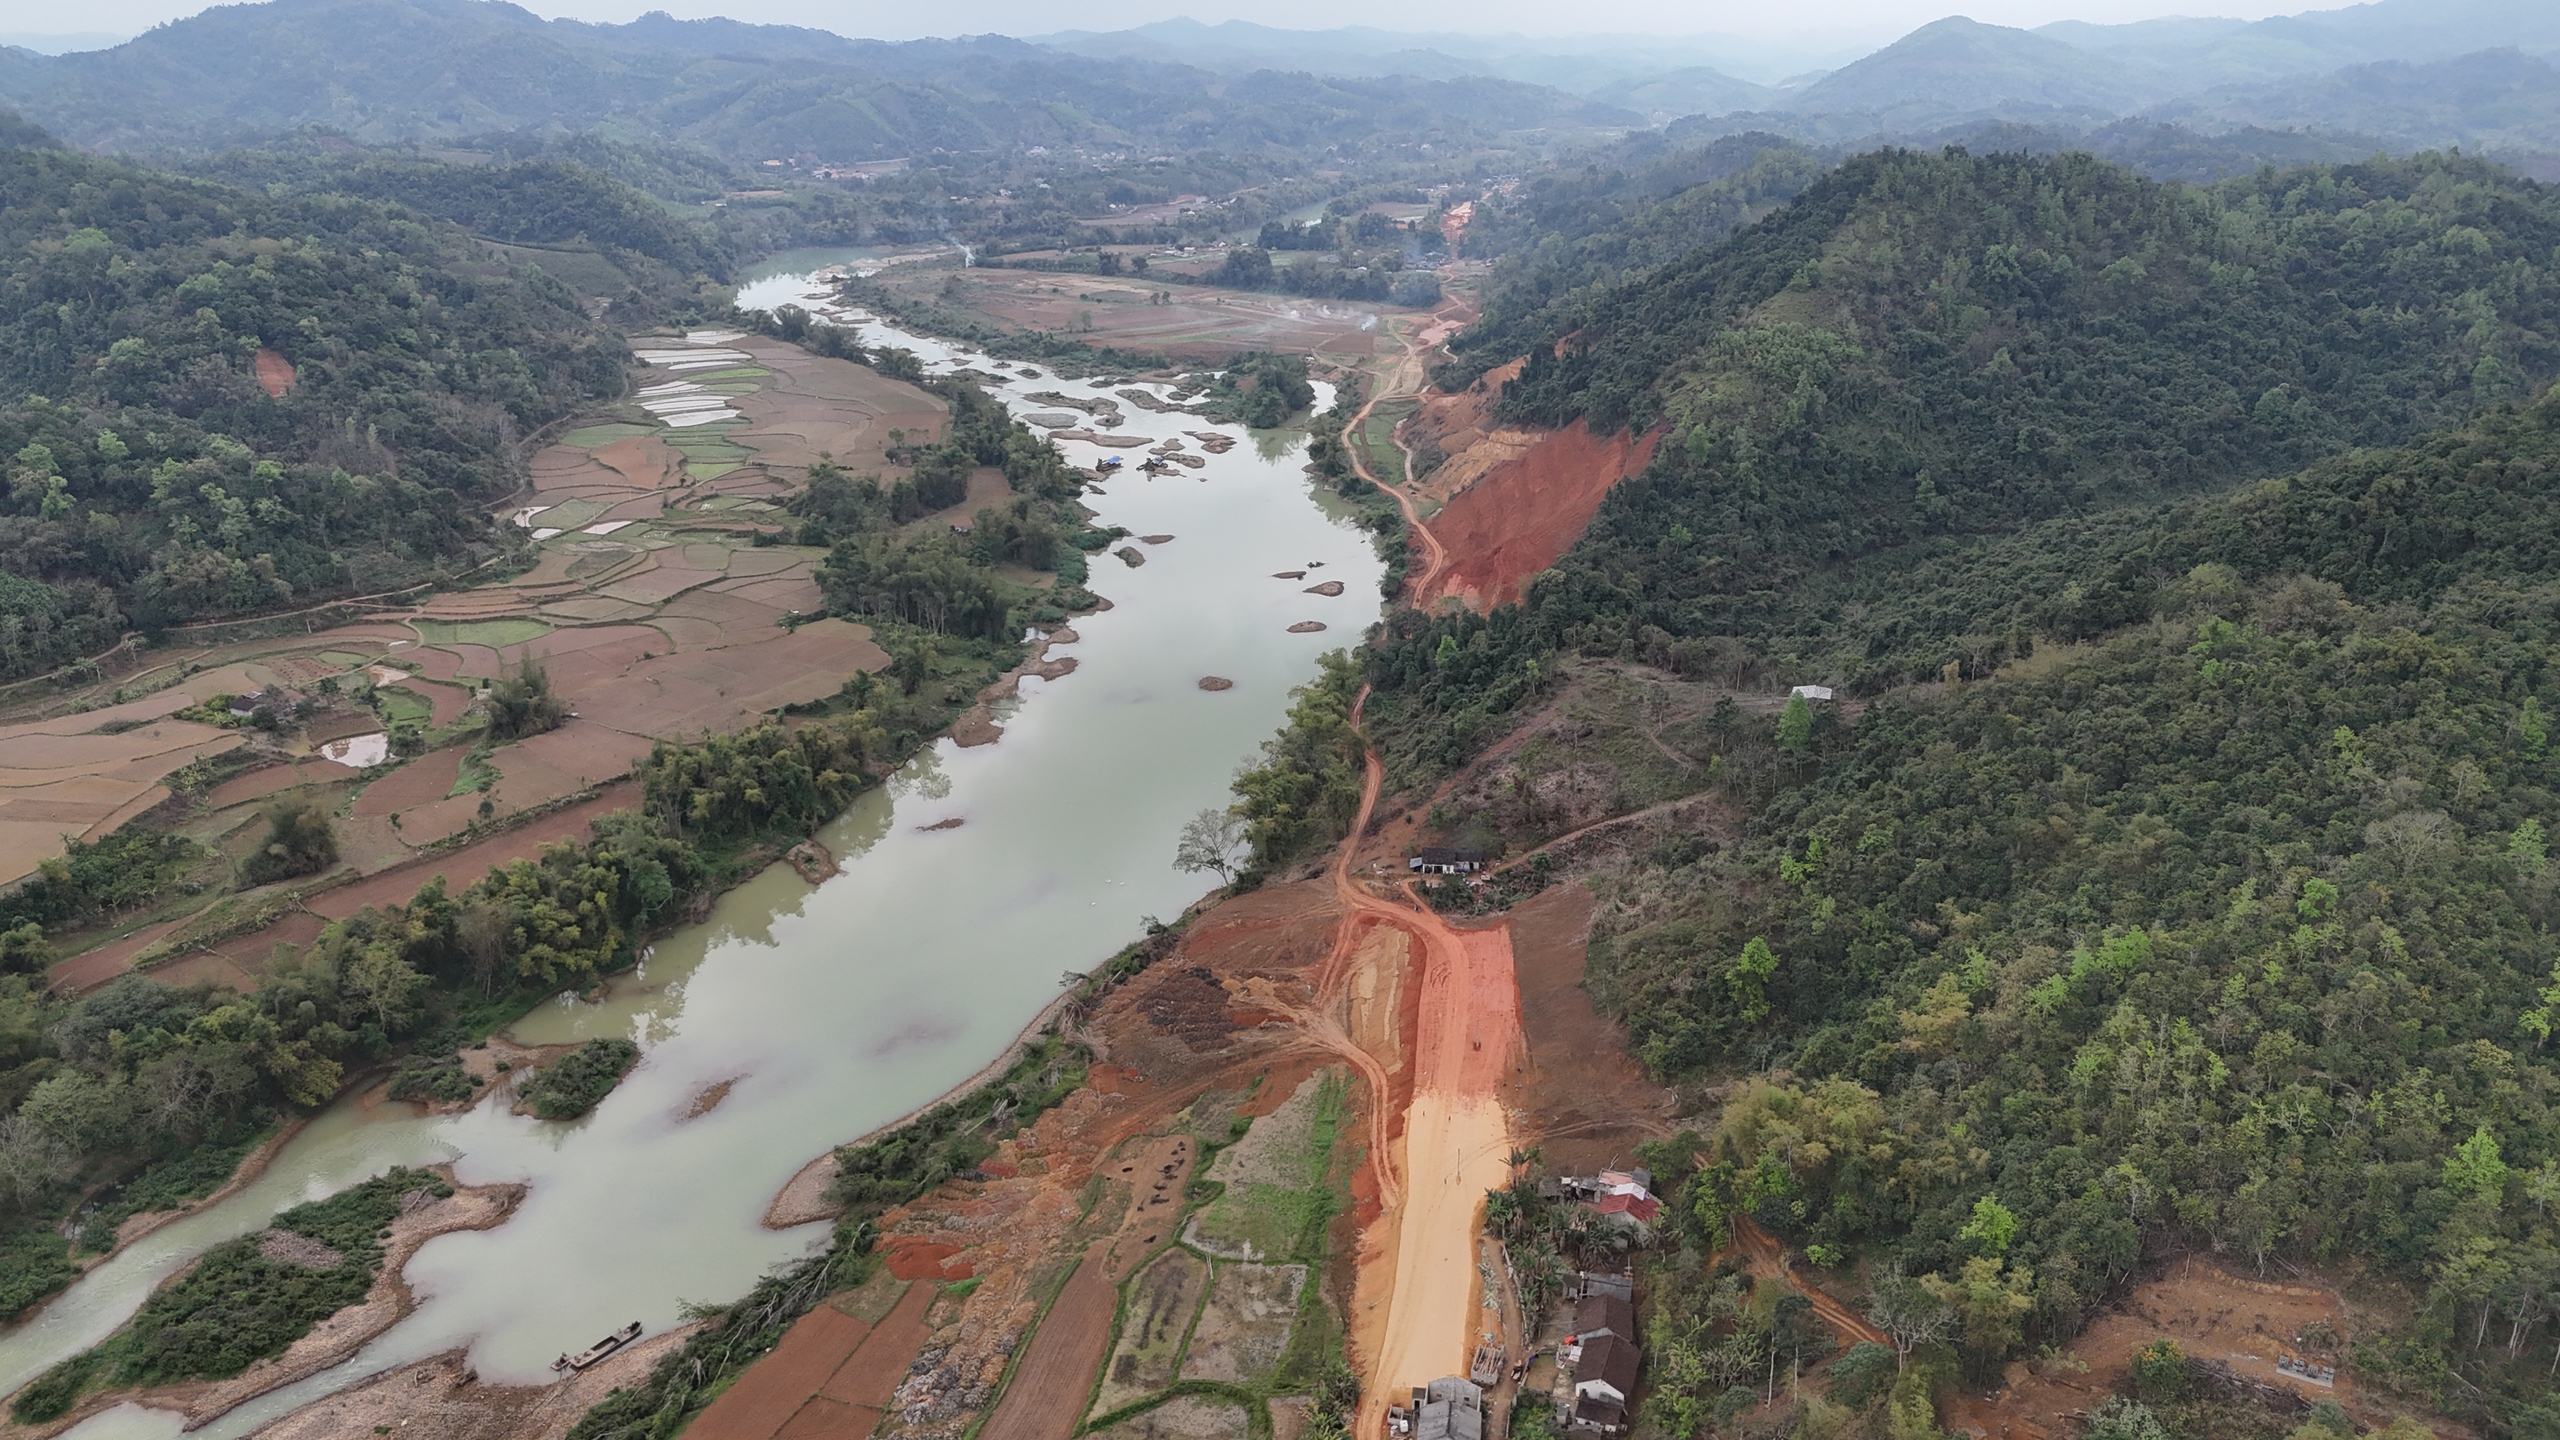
x=1525 y=512
x=275 y=373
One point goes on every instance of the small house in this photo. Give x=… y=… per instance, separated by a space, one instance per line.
x=1810 y=692
x=1441 y=860
x=1603 y=1380
x=1449 y=1408
x=1635 y=1212
x=1598 y=1315
x=1622 y=1287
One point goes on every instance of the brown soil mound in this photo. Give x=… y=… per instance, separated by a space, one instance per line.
x=1306 y=627
x=275 y=373
x=1589 y=1100
x=1328 y=589
x=1524 y=513
x=1216 y=682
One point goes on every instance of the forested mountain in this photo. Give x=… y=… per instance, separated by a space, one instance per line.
x=152 y=474
x=1958 y=66
x=535 y=201
x=2226 y=926
x=2493 y=100
x=2182 y=881
x=384 y=70
x=1944 y=344
x=1568 y=236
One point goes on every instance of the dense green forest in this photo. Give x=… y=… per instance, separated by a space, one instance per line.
x=1958 y=344
x=1568 y=238
x=538 y=200
x=2183 y=882
x=151 y=477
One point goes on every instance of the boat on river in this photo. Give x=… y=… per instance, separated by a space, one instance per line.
x=600 y=1349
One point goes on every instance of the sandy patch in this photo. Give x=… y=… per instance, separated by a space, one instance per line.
x=275 y=373
x=804 y=1197
x=442 y=1397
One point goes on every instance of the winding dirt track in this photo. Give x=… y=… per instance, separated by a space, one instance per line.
x=1768 y=1257
x=1435 y=560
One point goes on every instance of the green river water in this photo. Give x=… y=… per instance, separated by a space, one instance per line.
x=839 y=1007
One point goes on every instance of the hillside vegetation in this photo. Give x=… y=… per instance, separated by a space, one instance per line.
x=1925 y=346
x=151 y=476
x=383 y=70
x=2184 y=883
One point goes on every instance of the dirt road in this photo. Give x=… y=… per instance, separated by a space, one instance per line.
x=1404 y=379
x=1768 y=1258
x=1417 y=1308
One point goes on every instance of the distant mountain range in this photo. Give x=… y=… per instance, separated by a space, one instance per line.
x=2397 y=74
x=2290 y=72
x=391 y=70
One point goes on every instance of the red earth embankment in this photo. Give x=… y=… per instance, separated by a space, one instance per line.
x=275 y=373
x=1527 y=511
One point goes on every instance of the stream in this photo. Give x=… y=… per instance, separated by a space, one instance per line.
x=840 y=1007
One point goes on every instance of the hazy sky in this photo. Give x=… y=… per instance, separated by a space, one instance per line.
x=1858 y=20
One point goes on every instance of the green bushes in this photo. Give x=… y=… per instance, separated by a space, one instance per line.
x=191 y=1174
x=574 y=1083
x=522 y=704
x=33 y=1264
x=436 y=1080
x=300 y=840
x=1307 y=788
x=128 y=868
x=237 y=1305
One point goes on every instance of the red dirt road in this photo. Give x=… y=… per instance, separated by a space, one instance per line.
x=1418 y=581
x=1416 y=1313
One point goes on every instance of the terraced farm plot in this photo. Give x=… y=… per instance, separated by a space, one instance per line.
x=510 y=631
x=403 y=705
x=1188 y=1417
x=1244 y=1329
x=1277 y=1190
x=1156 y=1310
x=656 y=613
x=591 y=436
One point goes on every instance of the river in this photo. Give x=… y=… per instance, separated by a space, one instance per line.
x=840 y=1007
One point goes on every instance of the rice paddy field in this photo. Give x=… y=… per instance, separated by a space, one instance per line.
x=658 y=602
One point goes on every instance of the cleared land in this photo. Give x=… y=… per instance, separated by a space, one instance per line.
x=1201 y=322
